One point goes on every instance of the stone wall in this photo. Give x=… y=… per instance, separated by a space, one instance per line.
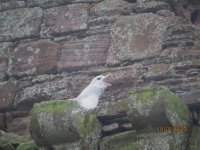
x=50 y=50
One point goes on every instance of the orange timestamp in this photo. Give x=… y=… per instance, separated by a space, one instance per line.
x=172 y=128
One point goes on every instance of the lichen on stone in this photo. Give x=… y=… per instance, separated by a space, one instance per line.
x=13 y=23
x=64 y=121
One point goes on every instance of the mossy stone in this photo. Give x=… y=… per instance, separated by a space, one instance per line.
x=132 y=140
x=10 y=138
x=194 y=142
x=157 y=106
x=69 y=146
x=150 y=107
x=7 y=146
x=31 y=145
x=63 y=121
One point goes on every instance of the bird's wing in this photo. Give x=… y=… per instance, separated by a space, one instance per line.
x=84 y=93
x=89 y=102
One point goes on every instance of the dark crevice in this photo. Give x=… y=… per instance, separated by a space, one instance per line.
x=12 y=6
x=194 y=16
x=131 y=62
x=26 y=3
x=119 y=130
x=131 y=1
x=104 y=119
x=79 y=68
x=4 y=122
x=50 y=5
x=80 y=32
x=41 y=23
x=152 y=60
x=66 y=36
x=6 y=77
x=172 y=6
x=17 y=40
x=177 y=44
x=15 y=145
x=120 y=120
x=17 y=77
x=115 y=124
x=195 y=111
x=87 y=69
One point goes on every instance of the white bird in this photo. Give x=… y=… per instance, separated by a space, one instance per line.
x=89 y=97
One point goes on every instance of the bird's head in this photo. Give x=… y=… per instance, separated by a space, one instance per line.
x=101 y=81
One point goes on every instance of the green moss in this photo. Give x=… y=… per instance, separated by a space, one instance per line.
x=86 y=122
x=132 y=140
x=88 y=128
x=7 y=146
x=176 y=111
x=27 y=146
x=63 y=121
x=121 y=137
x=121 y=141
x=49 y=122
x=11 y=138
x=195 y=139
x=54 y=106
x=115 y=108
x=154 y=107
x=143 y=95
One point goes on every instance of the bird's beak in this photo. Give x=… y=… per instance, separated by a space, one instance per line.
x=106 y=80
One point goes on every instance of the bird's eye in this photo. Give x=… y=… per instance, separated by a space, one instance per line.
x=99 y=78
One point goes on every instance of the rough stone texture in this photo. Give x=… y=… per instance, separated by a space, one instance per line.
x=197 y=19
x=136 y=37
x=64 y=86
x=151 y=7
x=50 y=3
x=10 y=140
x=194 y=143
x=172 y=75
x=18 y=125
x=90 y=51
x=180 y=77
x=8 y=146
x=138 y=141
x=5 y=48
x=7 y=95
x=103 y=14
x=65 y=19
x=108 y=8
x=151 y=107
x=136 y=76
x=67 y=146
x=38 y=57
x=17 y=122
x=186 y=9
x=171 y=58
x=2 y=121
x=17 y=145
x=27 y=146
x=181 y=36
x=20 y=23
x=109 y=128
x=147 y=104
x=11 y=5
x=59 y=87
x=58 y=122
